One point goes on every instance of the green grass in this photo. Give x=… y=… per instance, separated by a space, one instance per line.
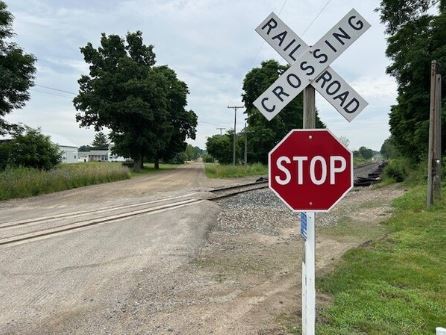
x=396 y=285
x=26 y=182
x=214 y=170
x=149 y=168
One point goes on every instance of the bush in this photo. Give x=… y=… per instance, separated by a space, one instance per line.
x=231 y=171
x=25 y=182
x=4 y=155
x=397 y=169
x=208 y=158
x=34 y=150
x=179 y=158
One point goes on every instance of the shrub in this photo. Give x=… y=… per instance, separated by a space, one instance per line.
x=30 y=148
x=397 y=169
x=25 y=182
x=208 y=158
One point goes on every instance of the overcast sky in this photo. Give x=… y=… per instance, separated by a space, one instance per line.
x=211 y=44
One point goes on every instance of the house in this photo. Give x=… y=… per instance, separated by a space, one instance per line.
x=95 y=155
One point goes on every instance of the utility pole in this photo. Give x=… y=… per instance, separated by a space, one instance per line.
x=221 y=130
x=235 y=130
x=434 y=155
x=246 y=145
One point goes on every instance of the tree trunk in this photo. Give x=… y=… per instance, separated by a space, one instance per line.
x=138 y=163
x=157 y=163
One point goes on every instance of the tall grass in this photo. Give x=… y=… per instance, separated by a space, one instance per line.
x=26 y=182
x=214 y=170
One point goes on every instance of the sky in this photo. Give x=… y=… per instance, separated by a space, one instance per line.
x=211 y=44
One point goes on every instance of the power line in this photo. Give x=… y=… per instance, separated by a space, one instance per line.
x=49 y=93
x=317 y=16
x=55 y=89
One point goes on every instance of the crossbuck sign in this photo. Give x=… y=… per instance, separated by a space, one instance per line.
x=310 y=65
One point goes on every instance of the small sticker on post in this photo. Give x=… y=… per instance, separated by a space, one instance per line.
x=303 y=225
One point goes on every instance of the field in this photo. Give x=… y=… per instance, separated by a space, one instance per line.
x=214 y=170
x=395 y=284
x=25 y=182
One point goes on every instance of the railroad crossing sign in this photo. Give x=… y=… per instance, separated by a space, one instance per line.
x=310 y=65
x=310 y=170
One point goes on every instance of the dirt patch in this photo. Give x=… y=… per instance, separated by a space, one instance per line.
x=253 y=259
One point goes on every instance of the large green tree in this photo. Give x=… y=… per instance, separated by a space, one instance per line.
x=264 y=134
x=416 y=37
x=16 y=71
x=143 y=105
x=221 y=147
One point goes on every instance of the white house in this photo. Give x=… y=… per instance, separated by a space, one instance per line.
x=99 y=156
x=69 y=150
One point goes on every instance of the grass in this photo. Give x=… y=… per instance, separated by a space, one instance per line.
x=396 y=285
x=26 y=182
x=149 y=168
x=214 y=170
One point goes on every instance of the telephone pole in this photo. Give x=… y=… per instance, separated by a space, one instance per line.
x=235 y=130
x=221 y=130
x=434 y=155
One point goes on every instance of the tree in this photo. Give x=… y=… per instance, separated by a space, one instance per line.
x=16 y=72
x=388 y=149
x=84 y=148
x=143 y=105
x=183 y=122
x=100 y=141
x=344 y=140
x=366 y=153
x=30 y=148
x=221 y=147
x=416 y=38
x=192 y=153
x=264 y=134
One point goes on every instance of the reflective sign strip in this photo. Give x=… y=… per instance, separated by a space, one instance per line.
x=303 y=225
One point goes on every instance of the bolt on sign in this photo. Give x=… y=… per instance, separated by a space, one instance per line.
x=310 y=65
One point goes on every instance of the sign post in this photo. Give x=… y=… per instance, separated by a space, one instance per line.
x=310 y=170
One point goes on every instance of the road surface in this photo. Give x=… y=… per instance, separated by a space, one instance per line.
x=74 y=282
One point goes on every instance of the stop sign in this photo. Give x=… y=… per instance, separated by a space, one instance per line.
x=310 y=170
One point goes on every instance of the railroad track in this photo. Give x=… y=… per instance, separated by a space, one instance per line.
x=230 y=191
x=46 y=226
x=58 y=228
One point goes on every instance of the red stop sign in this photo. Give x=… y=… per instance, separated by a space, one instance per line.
x=310 y=170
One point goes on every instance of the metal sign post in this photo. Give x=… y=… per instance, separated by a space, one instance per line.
x=310 y=70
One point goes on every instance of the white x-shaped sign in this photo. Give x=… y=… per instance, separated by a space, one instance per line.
x=310 y=65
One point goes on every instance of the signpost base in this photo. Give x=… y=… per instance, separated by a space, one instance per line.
x=308 y=277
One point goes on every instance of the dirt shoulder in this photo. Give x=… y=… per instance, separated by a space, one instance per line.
x=249 y=270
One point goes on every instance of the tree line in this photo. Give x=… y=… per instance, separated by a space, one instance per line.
x=416 y=37
x=143 y=105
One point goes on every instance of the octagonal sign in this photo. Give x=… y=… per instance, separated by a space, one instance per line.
x=310 y=170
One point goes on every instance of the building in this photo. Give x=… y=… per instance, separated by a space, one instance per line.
x=69 y=150
x=99 y=156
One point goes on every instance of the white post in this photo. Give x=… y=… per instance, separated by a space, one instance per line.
x=309 y=283
x=441 y=331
